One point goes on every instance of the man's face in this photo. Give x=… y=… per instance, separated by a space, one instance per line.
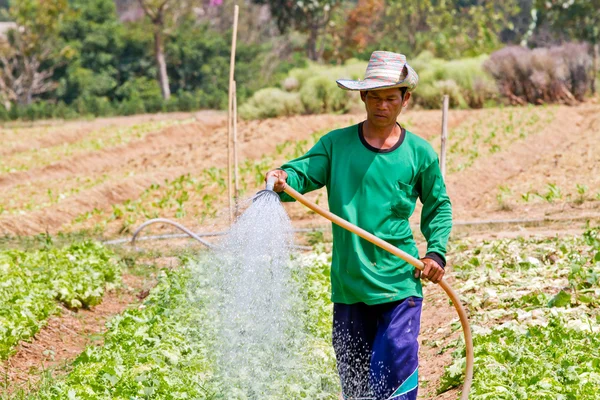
x=384 y=106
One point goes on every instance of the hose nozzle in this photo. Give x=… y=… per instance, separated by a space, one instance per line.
x=269 y=189
x=271 y=183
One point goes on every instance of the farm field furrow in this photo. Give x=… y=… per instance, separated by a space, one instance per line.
x=28 y=136
x=538 y=166
x=168 y=155
x=96 y=140
x=515 y=158
x=504 y=164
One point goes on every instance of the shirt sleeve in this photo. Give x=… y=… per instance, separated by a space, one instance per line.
x=308 y=172
x=436 y=215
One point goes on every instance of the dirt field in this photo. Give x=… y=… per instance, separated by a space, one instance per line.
x=109 y=175
x=51 y=175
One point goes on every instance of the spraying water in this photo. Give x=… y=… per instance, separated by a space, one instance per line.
x=252 y=298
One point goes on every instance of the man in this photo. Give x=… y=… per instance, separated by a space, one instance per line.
x=374 y=172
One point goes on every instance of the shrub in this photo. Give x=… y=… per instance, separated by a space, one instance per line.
x=142 y=90
x=98 y=106
x=61 y=110
x=464 y=80
x=271 y=102
x=15 y=112
x=4 y=115
x=431 y=95
x=291 y=84
x=172 y=104
x=216 y=99
x=132 y=106
x=187 y=101
x=322 y=95
x=27 y=112
x=543 y=75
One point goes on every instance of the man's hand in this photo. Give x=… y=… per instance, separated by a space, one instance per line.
x=432 y=271
x=280 y=176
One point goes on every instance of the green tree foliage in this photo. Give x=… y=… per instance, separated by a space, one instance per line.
x=580 y=19
x=449 y=29
x=33 y=51
x=97 y=38
x=307 y=16
x=202 y=66
x=4 y=6
x=76 y=57
x=164 y=14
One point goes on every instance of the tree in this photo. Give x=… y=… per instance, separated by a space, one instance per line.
x=579 y=19
x=163 y=15
x=30 y=56
x=360 y=27
x=307 y=16
x=96 y=37
x=451 y=28
x=456 y=28
x=157 y=10
x=202 y=66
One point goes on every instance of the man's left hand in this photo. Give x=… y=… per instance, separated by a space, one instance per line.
x=432 y=271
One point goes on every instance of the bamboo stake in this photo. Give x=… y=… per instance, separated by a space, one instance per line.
x=446 y=103
x=235 y=152
x=230 y=109
x=462 y=314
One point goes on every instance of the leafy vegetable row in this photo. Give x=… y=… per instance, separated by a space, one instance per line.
x=166 y=348
x=33 y=283
x=534 y=309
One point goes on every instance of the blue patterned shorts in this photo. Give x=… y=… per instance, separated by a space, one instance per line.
x=377 y=348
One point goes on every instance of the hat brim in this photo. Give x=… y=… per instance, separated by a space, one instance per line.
x=369 y=84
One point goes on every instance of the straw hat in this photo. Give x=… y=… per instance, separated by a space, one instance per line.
x=386 y=70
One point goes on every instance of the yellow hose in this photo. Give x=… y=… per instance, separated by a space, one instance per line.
x=462 y=314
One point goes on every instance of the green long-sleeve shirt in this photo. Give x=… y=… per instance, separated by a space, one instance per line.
x=376 y=190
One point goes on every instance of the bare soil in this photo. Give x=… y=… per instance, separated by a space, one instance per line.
x=21 y=137
x=436 y=340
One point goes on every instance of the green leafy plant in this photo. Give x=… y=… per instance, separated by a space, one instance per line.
x=31 y=284
x=553 y=193
x=581 y=191
x=534 y=316
x=164 y=348
x=526 y=196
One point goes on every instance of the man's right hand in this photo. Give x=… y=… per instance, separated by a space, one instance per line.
x=280 y=176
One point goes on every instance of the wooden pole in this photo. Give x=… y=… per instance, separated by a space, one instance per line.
x=235 y=152
x=462 y=314
x=446 y=103
x=230 y=109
